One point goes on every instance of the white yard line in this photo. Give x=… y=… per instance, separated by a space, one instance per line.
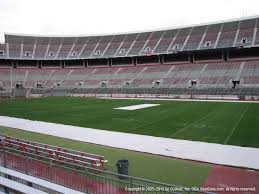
x=237 y=123
x=192 y=150
x=184 y=128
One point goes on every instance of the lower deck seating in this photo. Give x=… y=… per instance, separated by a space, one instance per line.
x=203 y=75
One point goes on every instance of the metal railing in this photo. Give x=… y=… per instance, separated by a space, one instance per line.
x=82 y=178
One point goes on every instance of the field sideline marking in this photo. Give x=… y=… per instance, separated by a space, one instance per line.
x=175 y=99
x=182 y=129
x=237 y=123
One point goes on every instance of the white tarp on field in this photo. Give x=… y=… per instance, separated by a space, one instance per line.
x=136 y=107
x=200 y=151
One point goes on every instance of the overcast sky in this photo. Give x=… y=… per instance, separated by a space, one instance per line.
x=85 y=17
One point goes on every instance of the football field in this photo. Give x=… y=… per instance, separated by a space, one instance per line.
x=215 y=122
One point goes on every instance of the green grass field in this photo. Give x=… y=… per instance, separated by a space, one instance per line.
x=216 y=122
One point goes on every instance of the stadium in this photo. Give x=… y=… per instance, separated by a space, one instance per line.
x=163 y=111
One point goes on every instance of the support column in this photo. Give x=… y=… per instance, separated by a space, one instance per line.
x=225 y=55
x=136 y=61
x=161 y=59
x=111 y=62
x=84 y=63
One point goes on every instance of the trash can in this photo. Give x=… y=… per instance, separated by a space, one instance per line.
x=122 y=166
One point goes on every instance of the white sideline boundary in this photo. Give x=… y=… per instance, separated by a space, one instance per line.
x=176 y=99
x=192 y=150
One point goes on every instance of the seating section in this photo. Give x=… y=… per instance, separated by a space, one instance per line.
x=218 y=35
x=210 y=39
x=114 y=45
x=77 y=47
x=166 y=41
x=18 y=77
x=89 y=47
x=5 y=78
x=257 y=34
x=179 y=42
x=195 y=38
x=139 y=44
x=52 y=54
x=57 y=77
x=15 y=51
x=250 y=73
x=246 y=32
x=54 y=46
x=101 y=48
x=228 y=35
x=37 y=76
x=41 y=47
x=220 y=74
x=181 y=75
x=152 y=42
x=40 y=51
x=28 y=47
x=206 y=75
x=3 y=51
x=66 y=47
x=126 y=45
x=27 y=52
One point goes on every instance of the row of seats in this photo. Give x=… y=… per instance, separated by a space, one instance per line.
x=220 y=35
x=56 y=153
x=166 y=92
x=216 y=73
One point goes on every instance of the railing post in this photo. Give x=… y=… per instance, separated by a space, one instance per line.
x=4 y=155
x=26 y=164
x=131 y=184
x=51 y=170
x=86 y=187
